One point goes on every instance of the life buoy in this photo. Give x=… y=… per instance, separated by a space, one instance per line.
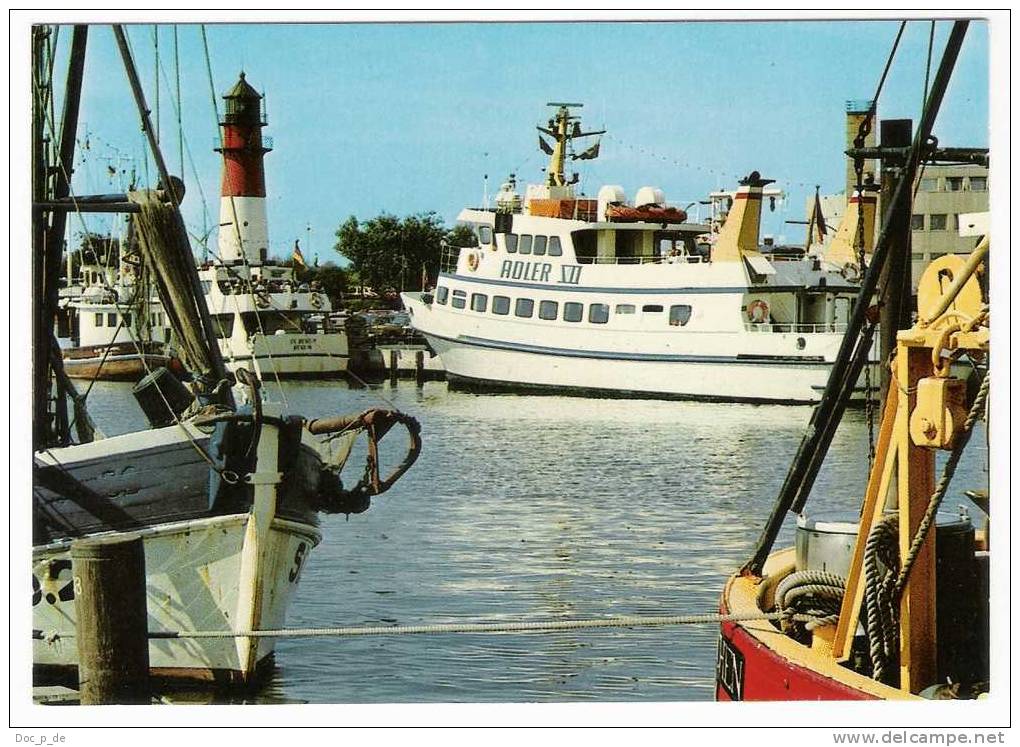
x=472 y=261
x=758 y=311
x=315 y=301
x=850 y=272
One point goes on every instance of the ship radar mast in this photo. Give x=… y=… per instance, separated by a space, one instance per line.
x=563 y=128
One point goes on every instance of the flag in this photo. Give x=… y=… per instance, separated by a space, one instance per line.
x=816 y=225
x=546 y=148
x=297 y=256
x=592 y=152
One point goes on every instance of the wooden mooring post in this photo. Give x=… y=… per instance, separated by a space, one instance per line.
x=394 y=371
x=419 y=367
x=112 y=627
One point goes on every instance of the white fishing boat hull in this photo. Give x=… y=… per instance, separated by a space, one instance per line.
x=289 y=355
x=193 y=583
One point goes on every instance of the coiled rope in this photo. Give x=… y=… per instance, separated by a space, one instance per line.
x=815 y=594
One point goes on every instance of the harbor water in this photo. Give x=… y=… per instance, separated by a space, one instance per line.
x=536 y=508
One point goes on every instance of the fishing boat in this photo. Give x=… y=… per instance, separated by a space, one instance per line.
x=265 y=319
x=610 y=297
x=888 y=599
x=224 y=489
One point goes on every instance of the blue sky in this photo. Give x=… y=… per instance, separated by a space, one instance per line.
x=409 y=117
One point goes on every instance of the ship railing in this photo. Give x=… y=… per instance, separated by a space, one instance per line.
x=655 y=260
x=783 y=328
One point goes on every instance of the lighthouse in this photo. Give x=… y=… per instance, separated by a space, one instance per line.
x=244 y=233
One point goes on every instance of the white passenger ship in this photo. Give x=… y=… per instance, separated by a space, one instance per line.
x=608 y=298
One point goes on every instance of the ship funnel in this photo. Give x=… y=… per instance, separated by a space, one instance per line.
x=739 y=235
x=846 y=244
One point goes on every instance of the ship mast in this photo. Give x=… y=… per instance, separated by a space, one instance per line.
x=559 y=128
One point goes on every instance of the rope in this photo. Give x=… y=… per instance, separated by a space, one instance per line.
x=546 y=626
x=881 y=614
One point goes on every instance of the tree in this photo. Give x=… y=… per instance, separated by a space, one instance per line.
x=389 y=252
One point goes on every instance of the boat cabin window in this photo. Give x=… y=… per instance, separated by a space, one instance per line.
x=548 y=310
x=624 y=308
x=555 y=250
x=585 y=245
x=271 y=321
x=679 y=315
x=651 y=308
x=479 y=301
x=573 y=312
x=524 y=246
x=525 y=307
x=485 y=234
x=598 y=313
x=223 y=324
x=500 y=305
x=442 y=293
x=510 y=239
x=127 y=319
x=459 y=299
x=99 y=320
x=111 y=320
x=538 y=248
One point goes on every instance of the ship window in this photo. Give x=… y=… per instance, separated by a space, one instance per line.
x=485 y=234
x=555 y=250
x=573 y=312
x=442 y=293
x=524 y=246
x=929 y=184
x=977 y=184
x=624 y=308
x=539 y=247
x=127 y=319
x=511 y=242
x=479 y=301
x=652 y=308
x=524 y=307
x=500 y=305
x=548 y=309
x=223 y=324
x=954 y=183
x=917 y=222
x=459 y=299
x=598 y=313
x=937 y=222
x=111 y=320
x=271 y=322
x=679 y=315
x=99 y=320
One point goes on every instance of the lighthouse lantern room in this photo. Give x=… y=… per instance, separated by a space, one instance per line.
x=243 y=234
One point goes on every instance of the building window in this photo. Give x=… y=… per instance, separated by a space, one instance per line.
x=524 y=307
x=679 y=315
x=511 y=242
x=916 y=256
x=548 y=309
x=500 y=305
x=929 y=184
x=485 y=234
x=99 y=320
x=977 y=184
x=459 y=299
x=937 y=222
x=538 y=249
x=954 y=221
x=111 y=320
x=442 y=293
x=524 y=245
x=573 y=312
x=555 y=250
x=954 y=183
x=936 y=255
x=598 y=313
x=127 y=319
x=624 y=308
x=917 y=222
x=652 y=308
x=479 y=301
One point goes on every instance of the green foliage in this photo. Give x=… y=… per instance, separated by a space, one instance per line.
x=462 y=235
x=390 y=252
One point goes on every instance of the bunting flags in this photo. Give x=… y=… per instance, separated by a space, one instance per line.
x=297 y=256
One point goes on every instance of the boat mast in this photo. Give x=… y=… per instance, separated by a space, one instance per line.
x=48 y=235
x=559 y=129
x=856 y=346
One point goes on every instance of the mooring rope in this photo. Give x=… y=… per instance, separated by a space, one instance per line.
x=545 y=626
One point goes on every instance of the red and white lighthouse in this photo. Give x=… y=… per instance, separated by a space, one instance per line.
x=244 y=232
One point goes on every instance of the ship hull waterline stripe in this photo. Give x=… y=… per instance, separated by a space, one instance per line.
x=567 y=287
x=756 y=360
